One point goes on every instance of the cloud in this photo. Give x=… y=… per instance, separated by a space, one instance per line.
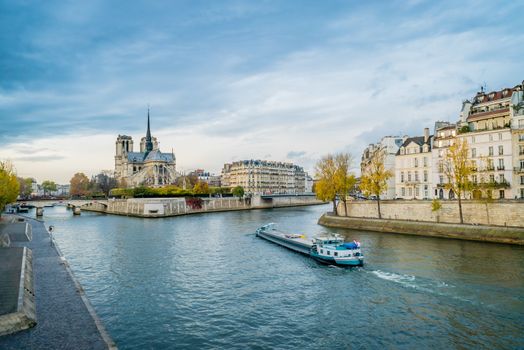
x=236 y=81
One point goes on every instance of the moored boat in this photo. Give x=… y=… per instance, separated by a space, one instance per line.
x=328 y=248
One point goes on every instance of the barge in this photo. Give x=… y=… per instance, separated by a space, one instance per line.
x=327 y=249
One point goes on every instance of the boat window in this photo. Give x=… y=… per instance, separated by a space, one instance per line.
x=328 y=252
x=322 y=251
x=336 y=253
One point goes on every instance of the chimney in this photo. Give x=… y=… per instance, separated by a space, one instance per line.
x=426 y=135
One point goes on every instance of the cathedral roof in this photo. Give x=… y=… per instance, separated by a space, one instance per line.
x=157 y=156
x=135 y=157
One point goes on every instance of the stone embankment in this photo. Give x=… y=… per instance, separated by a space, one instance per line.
x=496 y=234
x=165 y=207
x=500 y=222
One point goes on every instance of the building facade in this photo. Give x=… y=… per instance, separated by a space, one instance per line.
x=444 y=136
x=413 y=167
x=517 y=139
x=386 y=148
x=149 y=167
x=264 y=177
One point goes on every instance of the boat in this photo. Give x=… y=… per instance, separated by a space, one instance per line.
x=327 y=248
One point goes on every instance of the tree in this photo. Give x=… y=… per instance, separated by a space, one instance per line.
x=48 y=186
x=374 y=180
x=238 y=191
x=325 y=188
x=201 y=187
x=79 y=185
x=103 y=182
x=26 y=187
x=9 y=186
x=334 y=179
x=344 y=180
x=436 y=206
x=457 y=169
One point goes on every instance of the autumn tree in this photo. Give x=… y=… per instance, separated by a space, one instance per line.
x=458 y=169
x=9 y=186
x=334 y=178
x=103 y=182
x=79 y=185
x=374 y=180
x=48 y=186
x=201 y=187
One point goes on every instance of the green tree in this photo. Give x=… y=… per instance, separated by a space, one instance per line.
x=375 y=177
x=238 y=191
x=9 y=186
x=48 y=186
x=79 y=185
x=26 y=187
x=458 y=169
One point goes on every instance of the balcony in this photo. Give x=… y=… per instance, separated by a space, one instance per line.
x=518 y=170
x=500 y=168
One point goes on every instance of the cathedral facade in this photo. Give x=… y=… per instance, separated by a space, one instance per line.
x=149 y=167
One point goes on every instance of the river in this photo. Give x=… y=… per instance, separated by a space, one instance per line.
x=206 y=281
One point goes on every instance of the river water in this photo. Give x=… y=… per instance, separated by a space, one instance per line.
x=206 y=281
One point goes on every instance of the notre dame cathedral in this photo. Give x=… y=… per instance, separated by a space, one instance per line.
x=149 y=167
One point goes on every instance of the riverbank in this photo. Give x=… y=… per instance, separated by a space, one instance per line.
x=168 y=207
x=65 y=318
x=484 y=233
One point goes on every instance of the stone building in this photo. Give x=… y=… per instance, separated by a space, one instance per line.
x=444 y=136
x=149 y=167
x=517 y=137
x=486 y=124
x=413 y=167
x=264 y=177
x=387 y=148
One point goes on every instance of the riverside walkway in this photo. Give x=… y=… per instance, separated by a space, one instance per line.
x=65 y=319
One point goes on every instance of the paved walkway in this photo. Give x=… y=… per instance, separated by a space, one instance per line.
x=64 y=321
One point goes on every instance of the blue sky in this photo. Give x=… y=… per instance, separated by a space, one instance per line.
x=230 y=80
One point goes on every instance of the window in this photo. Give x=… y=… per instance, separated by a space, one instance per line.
x=473 y=139
x=521 y=164
x=403 y=192
x=441 y=179
x=501 y=164
x=402 y=176
x=328 y=252
x=409 y=175
x=522 y=179
x=501 y=150
x=474 y=179
x=335 y=253
x=410 y=191
x=416 y=175
x=425 y=162
x=425 y=176
x=416 y=162
x=322 y=251
x=440 y=167
x=490 y=150
x=491 y=178
x=490 y=135
x=501 y=194
x=500 y=136
x=416 y=192
x=426 y=191
x=521 y=150
x=501 y=178
x=473 y=152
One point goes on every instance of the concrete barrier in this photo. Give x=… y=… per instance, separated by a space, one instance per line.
x=484 y=233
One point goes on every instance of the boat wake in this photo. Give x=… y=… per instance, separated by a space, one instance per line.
x=420 y=284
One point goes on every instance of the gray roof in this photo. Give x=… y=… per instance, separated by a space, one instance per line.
x=135 y=157
x=156 y=156
x=419 y=140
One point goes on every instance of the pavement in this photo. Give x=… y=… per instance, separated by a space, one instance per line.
x=65 y=318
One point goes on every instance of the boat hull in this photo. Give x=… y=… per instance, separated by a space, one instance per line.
x=339 y=262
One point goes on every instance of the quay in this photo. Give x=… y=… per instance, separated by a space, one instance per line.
x=59 y=313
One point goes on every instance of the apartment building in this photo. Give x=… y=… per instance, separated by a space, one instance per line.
x=413 y=167
x=386 y=148
x=265 y=177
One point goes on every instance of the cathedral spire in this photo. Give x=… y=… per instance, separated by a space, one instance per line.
x=149 y=143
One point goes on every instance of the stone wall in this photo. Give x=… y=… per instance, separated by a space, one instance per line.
x=496 y=234
x=501 y=213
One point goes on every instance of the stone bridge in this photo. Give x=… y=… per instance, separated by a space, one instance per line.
x=69 y=202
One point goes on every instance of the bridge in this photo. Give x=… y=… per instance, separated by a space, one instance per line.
x=68 y=202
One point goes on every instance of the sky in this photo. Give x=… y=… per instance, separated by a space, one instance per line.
x=232 y=80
